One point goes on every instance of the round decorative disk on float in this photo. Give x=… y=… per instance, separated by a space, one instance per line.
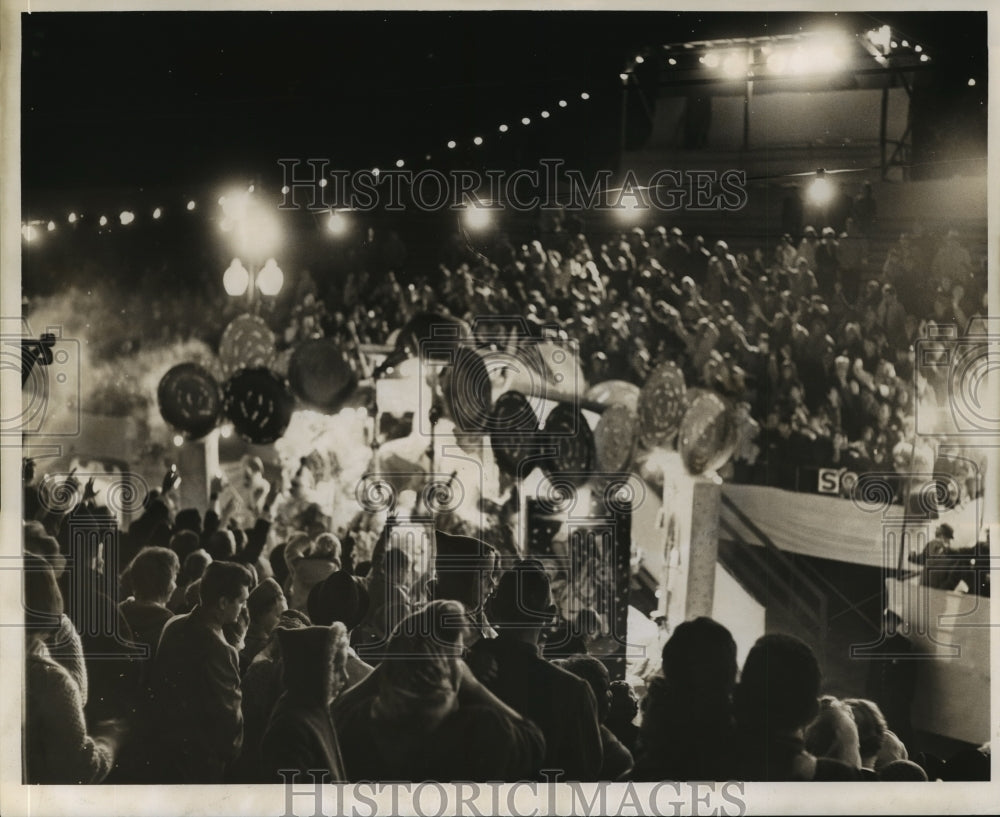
x=247 y=343
x=513 y=429
x=567 y=430
x=614 y=437
x=614 y=393
x=189 y=399
x=320 y=375
x=708 y=433
x=661 y=404
x=259 y=405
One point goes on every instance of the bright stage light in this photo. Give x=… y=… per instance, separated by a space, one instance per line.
x=477 y=218
x=880 y=37
x=735 y=65
x=777 y=62
x=270 y=278
x=236 y=279
x=821 y=190
x=711 y=59
x=798 y=63
x=337 y=223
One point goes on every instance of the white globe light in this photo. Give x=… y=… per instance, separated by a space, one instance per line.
x=503 y=129
x=584 y=95
x=451 y=145
x=477 y=218
x=526 y=121
x=820 y=191
x=51 y=226
x=103 y=221
x=236 y=279
x=477 y=141
x=157 y=213
x=126 y=217
x=562 y=103
x=191 y=205
x=270 y=278
x=72 y=218
x=178 y=440
x=400 y=163
x=545 y=114
x=337 y=223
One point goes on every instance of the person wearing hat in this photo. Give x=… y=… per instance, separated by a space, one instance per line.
x=300 y=735
x=465 y=570
x=266 y=604
x=807 y=246
x=934 y=558
x=561 y=704
x=342 y=598
x=58 y=747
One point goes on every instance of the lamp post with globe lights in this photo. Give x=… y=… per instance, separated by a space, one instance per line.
x=256 y=233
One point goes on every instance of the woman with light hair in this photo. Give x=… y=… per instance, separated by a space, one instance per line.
x=422 y=715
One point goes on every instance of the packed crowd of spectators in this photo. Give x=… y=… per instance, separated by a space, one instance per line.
x=816 y=338
x=184 y=651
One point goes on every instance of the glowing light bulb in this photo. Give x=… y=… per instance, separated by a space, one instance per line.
x=503 y=129
x=451 y=144
x=478 y=140
x=157 y=213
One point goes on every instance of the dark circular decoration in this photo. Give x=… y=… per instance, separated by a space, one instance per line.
x=189 y=399
x=567 y=430
x=320 y=375
x=467 y=390
x=513 y=429
x=259 y=405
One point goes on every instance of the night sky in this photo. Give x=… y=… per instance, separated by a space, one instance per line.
x=128 y=100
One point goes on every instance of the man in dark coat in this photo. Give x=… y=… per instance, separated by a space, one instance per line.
x=195 y=719
x=562 y=705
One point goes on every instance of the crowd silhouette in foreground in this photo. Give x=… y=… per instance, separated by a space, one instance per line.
x=207 y=672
